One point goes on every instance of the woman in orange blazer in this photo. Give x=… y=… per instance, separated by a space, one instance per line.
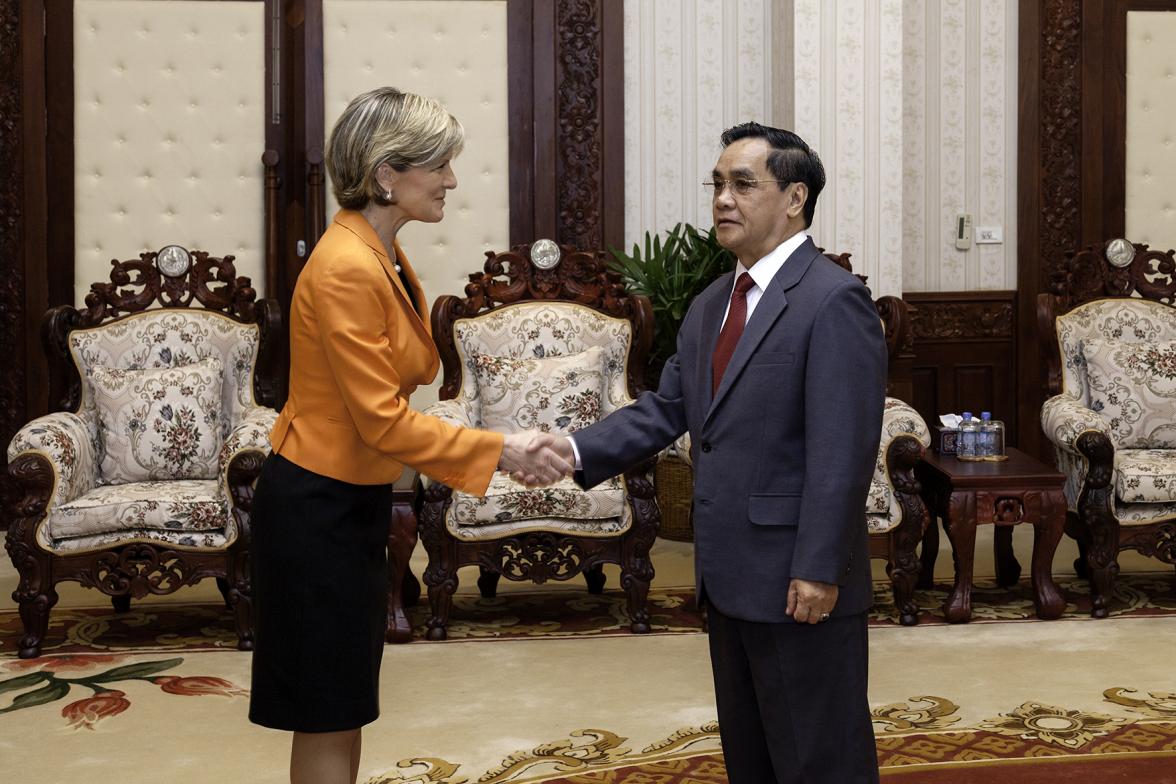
x=360 y=343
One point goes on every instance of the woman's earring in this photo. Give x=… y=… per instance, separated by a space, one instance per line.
x=388 y=195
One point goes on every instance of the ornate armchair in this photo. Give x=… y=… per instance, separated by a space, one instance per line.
x=143 y=482
x=1112 y=417
x=554 y=345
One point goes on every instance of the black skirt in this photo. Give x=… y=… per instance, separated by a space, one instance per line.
x=320 y=593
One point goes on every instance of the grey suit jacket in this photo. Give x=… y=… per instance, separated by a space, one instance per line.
x=783 y=452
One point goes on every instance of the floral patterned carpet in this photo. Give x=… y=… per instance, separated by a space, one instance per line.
x=575 y=698
x=528 y=615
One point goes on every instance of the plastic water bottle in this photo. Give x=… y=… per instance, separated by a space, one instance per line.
x=985 y=440
x=992 y=433
x=967 y=444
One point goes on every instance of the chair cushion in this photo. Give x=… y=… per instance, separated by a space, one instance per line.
x=1145 y=475
x=1133 y=386
x=159 y=423
x=182 y=505
x=507 y=501
x=559 y=394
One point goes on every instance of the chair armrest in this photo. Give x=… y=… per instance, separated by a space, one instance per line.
x=904 y=437
x=1064 y=419
x=456 y=411
x=244 y=451
x=64 y=439
x=899 y=418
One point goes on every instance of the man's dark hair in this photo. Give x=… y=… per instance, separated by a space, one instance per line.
x=791 y=160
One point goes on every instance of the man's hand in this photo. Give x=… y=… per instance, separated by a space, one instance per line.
x=533 y=467
x=559 y=445
x=810 y=601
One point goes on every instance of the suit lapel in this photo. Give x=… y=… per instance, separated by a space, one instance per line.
x=771 y=305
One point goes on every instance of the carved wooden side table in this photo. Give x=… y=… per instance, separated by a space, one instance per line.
x=965 y=494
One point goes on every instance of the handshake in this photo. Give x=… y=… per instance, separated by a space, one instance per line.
x=537 y=459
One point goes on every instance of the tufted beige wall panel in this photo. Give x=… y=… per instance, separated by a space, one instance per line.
x=1151 y=128
x=169 y=131
x=453 y=51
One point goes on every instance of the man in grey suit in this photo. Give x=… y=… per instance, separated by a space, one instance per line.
x=779 y=378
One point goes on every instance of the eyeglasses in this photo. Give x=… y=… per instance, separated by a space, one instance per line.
x=740 y=186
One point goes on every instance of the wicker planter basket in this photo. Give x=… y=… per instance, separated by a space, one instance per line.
x=674 y=482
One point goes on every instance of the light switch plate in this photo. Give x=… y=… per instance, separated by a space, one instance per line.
x=989 y=235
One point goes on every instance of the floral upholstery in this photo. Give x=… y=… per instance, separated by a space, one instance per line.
x=187 y=505
x=536 y=329
x=512 y=358
x=556 y=394
x=1145 y=476
x=158 y=423
x=84 y=515
x=1105 y=346
x=507 y=501
x=168 y=338
x=250 y=435
x=883 y=512
x=1133 y=387
x=68 y=443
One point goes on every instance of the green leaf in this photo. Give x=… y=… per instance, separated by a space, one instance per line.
x=50 y=692
x=21 y=681
x=131 y=671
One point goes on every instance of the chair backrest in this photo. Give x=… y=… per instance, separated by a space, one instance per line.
x=191 y=322
x=1133 y=301
x=515 y=308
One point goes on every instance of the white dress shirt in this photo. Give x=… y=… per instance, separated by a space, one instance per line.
x=762 y=273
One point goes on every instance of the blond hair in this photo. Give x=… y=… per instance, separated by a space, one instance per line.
x=388 y=126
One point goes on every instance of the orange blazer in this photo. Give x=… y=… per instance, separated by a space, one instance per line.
x=358 y=349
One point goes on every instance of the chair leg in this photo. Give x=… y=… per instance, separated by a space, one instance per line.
x=1103 y=560
x=34 y=614
x=121 y=604
x=242 y=606
x=223 y=586
x=441 y=573
x=488 y=582
x=595 y=579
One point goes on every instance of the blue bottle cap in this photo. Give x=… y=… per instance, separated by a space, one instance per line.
x=986 y=415
x=967 y=415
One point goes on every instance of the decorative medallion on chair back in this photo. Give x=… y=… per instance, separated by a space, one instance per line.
x=1112 y=373
x=551 y=348
x=143 y=483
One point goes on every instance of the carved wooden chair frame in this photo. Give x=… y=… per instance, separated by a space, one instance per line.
x=508 y=278
x=1086 y=276
x=123 y=571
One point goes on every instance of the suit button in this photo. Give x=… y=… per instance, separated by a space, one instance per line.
x=706 y=447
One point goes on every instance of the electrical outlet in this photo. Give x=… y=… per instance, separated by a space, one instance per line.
x=963 y=239
x=989 y=235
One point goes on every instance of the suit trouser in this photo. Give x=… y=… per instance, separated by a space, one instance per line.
x=792 y=700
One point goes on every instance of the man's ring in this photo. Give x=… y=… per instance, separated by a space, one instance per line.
x=824 y=616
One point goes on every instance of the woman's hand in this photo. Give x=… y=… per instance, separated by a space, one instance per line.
x=537 y=468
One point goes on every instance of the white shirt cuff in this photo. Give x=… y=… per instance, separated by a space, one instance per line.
x=576 y=451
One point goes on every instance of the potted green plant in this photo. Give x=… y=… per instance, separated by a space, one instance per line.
x=672 y=273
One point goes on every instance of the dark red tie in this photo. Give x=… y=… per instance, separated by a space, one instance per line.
x=732 y=329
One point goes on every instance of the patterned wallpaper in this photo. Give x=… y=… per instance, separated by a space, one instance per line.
x=1151 y=154
x=692 y=68
x=959 y=141
x=911 y=104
